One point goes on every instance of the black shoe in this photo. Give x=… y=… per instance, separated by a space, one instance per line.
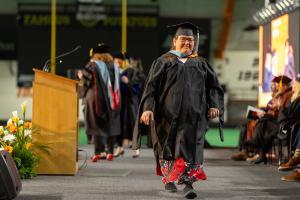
x=189 y=192
x=171 y=187
x=261 y=159
x=135 y=156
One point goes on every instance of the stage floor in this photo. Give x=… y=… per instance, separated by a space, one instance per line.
x=128 y=178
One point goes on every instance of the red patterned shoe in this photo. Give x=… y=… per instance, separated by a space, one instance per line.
x=95 y=158
x=109 y=157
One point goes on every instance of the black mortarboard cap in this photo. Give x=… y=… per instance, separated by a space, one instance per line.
x=185 y=28
x=100 y=48
x=121 y=55
x=283 y=79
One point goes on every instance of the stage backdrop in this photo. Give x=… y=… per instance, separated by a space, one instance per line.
x=86 y=25
x=278 y=52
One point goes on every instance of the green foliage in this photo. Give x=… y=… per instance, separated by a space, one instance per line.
x=25 y=161
x=16 y=138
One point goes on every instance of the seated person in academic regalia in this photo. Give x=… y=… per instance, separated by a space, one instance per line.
x=292 y=114
x=267 y=126
x=247 y=130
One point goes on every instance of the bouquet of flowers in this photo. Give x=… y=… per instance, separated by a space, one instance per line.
x=16 y=138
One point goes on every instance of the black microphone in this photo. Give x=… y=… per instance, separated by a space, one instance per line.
x=46 y=65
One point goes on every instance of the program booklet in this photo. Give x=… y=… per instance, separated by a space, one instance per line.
x=253 y=113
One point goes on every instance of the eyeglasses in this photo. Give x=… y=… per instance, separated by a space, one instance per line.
x=184 y=39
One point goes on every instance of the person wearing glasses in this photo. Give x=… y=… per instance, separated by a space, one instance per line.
x=181 y=93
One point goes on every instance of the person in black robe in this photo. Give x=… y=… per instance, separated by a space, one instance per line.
x=291 y=117
x=131 y=84
x=102 y=101
x=181 y=93
x=247 y=130
x=267 y=126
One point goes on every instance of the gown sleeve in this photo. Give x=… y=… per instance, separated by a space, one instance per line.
x=147 y=101
x=87 y=77
x=215 y=93
x=151 y=86
x=292 y=111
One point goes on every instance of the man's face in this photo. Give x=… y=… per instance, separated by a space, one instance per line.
x=184 y=44
x=118 y=61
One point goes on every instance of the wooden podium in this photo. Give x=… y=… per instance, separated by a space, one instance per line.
x=55 y=122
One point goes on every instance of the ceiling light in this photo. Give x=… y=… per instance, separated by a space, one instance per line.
x=274 y=10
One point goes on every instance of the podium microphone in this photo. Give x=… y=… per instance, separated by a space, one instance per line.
x=46 y=67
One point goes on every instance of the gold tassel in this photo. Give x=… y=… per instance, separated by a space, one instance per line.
x=280 y=83
x=91 y=52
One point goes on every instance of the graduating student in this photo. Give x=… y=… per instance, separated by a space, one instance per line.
x=102 y=101
x=181 y=93
x=131 y=84
x=291 y=116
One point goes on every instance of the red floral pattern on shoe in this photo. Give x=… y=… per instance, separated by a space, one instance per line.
x=172 y=170
x=193 y=173
x=180 y=171
x=158 y=170
x=197 y=174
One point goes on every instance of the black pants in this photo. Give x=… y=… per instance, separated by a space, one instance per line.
x=264 y=133
x=100 y=142
x=242 y=138
x=120 y=140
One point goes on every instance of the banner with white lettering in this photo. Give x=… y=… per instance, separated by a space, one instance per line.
x=238 y=70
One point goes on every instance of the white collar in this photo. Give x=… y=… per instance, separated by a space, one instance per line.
x=183 y=60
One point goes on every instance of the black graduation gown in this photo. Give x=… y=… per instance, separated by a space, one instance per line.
x=100 y=119
x=131 y=93
x=267 y=126
x=179 y=94
x=291 y=112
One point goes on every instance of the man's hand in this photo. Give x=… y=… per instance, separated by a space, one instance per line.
x=260 y=114
x=79 y=74
x=213 y=113
x=146 y=117
x=124 y=79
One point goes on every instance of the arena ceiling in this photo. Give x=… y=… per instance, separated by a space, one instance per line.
x=237 y=38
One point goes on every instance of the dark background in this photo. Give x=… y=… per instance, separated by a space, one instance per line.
x=8 y=39
x=144 y=41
